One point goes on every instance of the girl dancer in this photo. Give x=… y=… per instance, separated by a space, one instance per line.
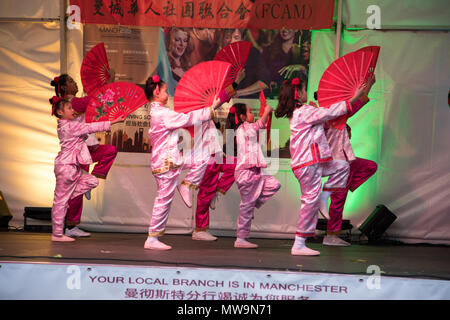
x=360 y=170
x=71 y=180
x=254 y=186
x=167 y=161
x=310 y=154
x=211 y=185
x=104 y=155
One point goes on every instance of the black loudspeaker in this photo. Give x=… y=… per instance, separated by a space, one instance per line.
x=37 y=219
x=323 y=223
x=5 y=214
x=377 y=223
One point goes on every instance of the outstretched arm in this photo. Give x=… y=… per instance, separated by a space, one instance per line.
x=266 y=113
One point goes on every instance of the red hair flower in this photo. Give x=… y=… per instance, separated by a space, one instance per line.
x=155 y=79
x=233 y=111
x=55 y=101
x=295 y=82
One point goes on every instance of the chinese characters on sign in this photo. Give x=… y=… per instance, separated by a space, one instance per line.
x=273 y=14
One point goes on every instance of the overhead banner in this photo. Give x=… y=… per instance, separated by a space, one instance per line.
x=257 y=14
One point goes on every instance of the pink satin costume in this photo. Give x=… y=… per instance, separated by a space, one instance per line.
x=167 y=160
x=360 y=169
x=218 y=164
x=254 y=186
x=103 y=155
x=71 y=180
x=311 y=160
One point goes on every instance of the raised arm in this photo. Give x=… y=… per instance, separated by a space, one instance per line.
x=265 y=115
x=175 y=120
x=81 y=128
x=321 y=115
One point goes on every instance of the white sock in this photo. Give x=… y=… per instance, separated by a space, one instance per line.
x=324 y=195
x=299 y=242
x=152 y=239
x=241 y=240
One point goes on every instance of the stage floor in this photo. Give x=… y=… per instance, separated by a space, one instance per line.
x=415 y=261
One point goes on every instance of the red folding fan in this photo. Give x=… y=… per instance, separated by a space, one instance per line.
x=375 y=51
x=263 y=105
x=341 y=79
x=95 y=69
x=113 y=100
x=235 y=53
x=199 y=86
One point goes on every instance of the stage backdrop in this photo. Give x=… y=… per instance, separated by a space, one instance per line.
x=404 y=129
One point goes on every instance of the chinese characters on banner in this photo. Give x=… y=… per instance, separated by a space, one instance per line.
x=254 y=14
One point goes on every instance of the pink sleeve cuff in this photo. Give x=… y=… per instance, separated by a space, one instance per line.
x=357 y=105
x=227 y=93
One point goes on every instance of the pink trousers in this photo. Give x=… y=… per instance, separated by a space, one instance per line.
x=360 y=171
x=71 y=181
x=166 y=184
x=211 y=184
x=255 y=189
x=310 y=179
x=104 y=155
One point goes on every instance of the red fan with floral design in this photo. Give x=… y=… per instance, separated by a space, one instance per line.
x=113 y=100
x=341 y=79
x=235 y=53
x=95 y=69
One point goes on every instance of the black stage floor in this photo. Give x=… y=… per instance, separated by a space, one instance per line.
x=416 y=261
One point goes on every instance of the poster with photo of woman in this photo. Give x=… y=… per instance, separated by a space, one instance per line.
x=276 y=55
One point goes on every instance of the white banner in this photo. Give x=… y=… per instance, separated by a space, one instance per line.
x=37 y=281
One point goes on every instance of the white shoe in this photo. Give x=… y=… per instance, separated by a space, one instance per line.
x=88 y=195
x=185 y=193
x=63 y=238
x=305 y=251
x=244 y=244
x=153 y=243
x=323 y=204
x=332 y=240
x=76 y=232
x=212 y=204
x=203 y=235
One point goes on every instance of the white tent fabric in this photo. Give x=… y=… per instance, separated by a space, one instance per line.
x=36 y=9
x=410 y=14
x=404 y=129
x=29 y=58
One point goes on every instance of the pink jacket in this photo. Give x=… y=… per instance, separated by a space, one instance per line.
x=209 y=142
x=308 y=144
x=249 y=153
x=338 y=140
x=80 y=106
x=163 y=134
x=73 y=148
